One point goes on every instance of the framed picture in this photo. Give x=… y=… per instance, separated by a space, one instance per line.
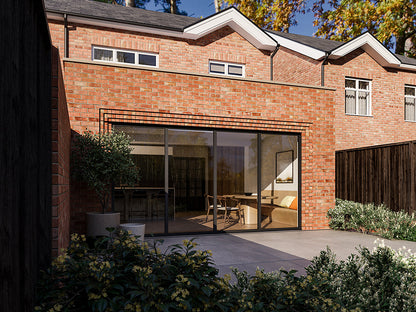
x=284 y=166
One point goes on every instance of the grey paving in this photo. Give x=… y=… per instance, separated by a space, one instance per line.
x=281 y=249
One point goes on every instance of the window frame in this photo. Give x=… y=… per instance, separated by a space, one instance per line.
x=226 y=67
x=411 y=97
x=356 y=89
x=136 y=56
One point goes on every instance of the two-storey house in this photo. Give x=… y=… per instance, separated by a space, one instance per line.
x=207 y=119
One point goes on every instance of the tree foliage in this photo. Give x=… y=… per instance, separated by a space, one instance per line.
x=171 y=6
x=102 y=161
x=392 y=22
x=269 y=14
x=138 y=3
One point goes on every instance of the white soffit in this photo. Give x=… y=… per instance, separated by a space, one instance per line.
x=370 y=45
x=237 y=21
x=298 y=47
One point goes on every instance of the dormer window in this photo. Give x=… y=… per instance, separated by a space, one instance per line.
x=125 y=56
x=227 y=69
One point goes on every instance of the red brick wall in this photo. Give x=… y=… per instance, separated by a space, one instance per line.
x=387 y=123
x=61 y=145
x=285 y=108
x=174 y=53
x=290 y=66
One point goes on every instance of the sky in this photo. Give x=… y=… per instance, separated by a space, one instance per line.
x=204 y=8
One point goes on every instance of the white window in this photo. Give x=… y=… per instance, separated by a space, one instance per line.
x=409 y=103
x=357 y=97
x=229 y=69
x=125 y=56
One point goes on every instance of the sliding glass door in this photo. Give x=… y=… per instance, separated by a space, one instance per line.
x=195 y=180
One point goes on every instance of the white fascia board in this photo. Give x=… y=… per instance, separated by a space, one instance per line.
x=115 y=25
x=236 y=21
x=372 y=46
x=298 y=47
x=408 y=67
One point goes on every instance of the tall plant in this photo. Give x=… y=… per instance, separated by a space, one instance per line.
x=103 y=160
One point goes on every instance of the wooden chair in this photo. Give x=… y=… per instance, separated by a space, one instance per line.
x=233 y=205
x=209 y=204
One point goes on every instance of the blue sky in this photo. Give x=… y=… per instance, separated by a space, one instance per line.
x=204 y=8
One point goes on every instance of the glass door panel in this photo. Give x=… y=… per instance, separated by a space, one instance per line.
x=144 y=202
x=236 y=181
x=190 y=179
x=279 y=181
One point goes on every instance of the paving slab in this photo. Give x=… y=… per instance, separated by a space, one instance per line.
x=274 y=250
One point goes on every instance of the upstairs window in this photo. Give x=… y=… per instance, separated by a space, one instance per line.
x=357 y=97
x=409 y=103
x=227 y=69
x=125 y=56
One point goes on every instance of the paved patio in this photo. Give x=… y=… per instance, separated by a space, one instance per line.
x=278 y=249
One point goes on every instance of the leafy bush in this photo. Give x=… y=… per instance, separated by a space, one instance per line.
x=118 y=274
x=377 y=280
x=103 y=160
x=369 y=218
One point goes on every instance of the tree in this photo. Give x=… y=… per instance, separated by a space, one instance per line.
x=392 y=22
x=269 y=14
x=102 y=161
x=137 y=3
x=171 y=6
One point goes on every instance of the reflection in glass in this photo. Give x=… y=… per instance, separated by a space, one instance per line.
x=190 y=176
x=279 y=181
x=237 y=180
x=145 y=202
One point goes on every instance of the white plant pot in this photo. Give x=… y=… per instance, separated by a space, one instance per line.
x=98 y=222
x=136 y=229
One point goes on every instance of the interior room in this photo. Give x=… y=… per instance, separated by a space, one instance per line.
x=194 y=180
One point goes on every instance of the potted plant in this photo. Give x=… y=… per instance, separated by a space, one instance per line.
x=102 y=161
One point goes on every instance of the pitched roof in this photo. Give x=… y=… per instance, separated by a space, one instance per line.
x=406 y=60
x=324 y=45
x=118 y=13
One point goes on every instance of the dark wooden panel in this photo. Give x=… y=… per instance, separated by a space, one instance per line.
x=378 y=174
x=25 y=151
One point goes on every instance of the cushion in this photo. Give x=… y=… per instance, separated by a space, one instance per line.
x=287 y=201
x=294 y=204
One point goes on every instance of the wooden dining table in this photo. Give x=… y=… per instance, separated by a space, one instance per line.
x=249 y=204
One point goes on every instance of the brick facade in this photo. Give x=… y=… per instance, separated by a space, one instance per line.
x=181 y=85
x=174 y=54
x=386 y=125
x=61 y=150
x=290 y=108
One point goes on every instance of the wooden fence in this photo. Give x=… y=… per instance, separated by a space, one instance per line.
x=25 y=151
x=378 y=174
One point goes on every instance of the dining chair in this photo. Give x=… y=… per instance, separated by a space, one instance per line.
x=209 y=204
x=233 y=205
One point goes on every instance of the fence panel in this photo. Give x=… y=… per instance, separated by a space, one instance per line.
x=378 y=174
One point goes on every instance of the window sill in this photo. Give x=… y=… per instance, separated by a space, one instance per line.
x=355 y=115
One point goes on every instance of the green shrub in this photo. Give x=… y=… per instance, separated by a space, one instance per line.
x=102 y=161
x=377 y=280
x=118 y=274
x=369 y=218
